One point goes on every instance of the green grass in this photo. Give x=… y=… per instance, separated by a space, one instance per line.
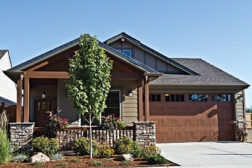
x=97 y=163
x=36 y=164
x=73 y=160
x=62 y=164
x=125 y=162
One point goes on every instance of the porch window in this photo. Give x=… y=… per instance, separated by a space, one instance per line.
x=113 y=103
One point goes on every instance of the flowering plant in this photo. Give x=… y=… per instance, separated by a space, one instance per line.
x=60 y=123
x=111 y=122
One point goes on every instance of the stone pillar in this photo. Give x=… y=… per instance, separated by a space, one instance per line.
x=21 y=134
x=145 y=133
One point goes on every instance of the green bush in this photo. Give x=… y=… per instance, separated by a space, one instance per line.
x=105 y=152
x=57 y=156
x=97 y=163
x=5 y=149
x=150 y=151
x=81 y=146
x=157 y=159
x=136 y=149
x=125 y=162
x=45 y=145
x=20 y=158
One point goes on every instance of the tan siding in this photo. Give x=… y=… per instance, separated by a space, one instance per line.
x=129 y=104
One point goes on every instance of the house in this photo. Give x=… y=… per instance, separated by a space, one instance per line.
x=8 y=91
x=189 y=99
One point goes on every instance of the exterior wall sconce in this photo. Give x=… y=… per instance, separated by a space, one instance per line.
x=240 y=97
x=130 y=94
x=43 y=95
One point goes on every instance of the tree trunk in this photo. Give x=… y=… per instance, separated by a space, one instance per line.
x=90 y=135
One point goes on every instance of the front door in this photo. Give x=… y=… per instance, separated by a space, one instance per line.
x=42 y=107
x=113 y=103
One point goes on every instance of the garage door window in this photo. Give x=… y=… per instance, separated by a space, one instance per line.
x=174 y=98
x=198 y=97
x=155 y=97
x=221 y=97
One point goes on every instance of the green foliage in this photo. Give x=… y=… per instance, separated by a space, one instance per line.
x=126 y=145
x=97 y=163
x=62 y=164
x=20 y=158
x=157 y=159
x=73 y=160
x=107 y=160
x=249 y=110
x=150 y=151
x=5 y=147
x=136 y=149
x=57 y=156
x=81 y=146
x=37 y=164
x=90 y=78
x=125 y=162
x=45 y=145
x=105 y=152
x=111 y=123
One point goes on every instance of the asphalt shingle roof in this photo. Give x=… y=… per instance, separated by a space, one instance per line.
x=208 y=75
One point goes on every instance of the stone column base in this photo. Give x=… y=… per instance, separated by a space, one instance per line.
x=145 y=133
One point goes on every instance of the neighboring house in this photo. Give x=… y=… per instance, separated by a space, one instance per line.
x=190 y=99
x=8 y=91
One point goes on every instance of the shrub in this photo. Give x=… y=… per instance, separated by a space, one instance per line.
x=136 y=149
x=150 y=150
x=45 y=145
x=62 y=164
x=105 y=152
x=123 y=145
x=125 y=162
x=5 y=153
x=157 y=159
x=81 y=146
x=111 y=122
x=20 y=158
x=73 y=160
x=37 y=164
x=57 y=156
x=97 y=163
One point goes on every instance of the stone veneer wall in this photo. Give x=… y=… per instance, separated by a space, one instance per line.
x=145 y=133
x=21 y=134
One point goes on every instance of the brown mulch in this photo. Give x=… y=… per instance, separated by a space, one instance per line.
x=85 y=162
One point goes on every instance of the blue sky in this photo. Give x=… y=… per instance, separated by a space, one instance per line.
x=219 y=32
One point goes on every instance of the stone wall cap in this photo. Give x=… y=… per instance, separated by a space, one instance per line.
x=22 y=123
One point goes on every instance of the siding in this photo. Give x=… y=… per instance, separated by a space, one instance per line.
x=7 y=86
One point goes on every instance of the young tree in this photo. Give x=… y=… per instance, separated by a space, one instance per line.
x=89 y=83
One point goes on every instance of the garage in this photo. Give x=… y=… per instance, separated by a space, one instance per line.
x=192 y=117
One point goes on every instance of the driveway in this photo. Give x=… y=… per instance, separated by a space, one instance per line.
x=209 y=154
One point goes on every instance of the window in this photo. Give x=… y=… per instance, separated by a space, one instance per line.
x=113 y=103
x=198 y=97
x=174 y=98
x=221 y=97
x=125 y=51
x=155 y=97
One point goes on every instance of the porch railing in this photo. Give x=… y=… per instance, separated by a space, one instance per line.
x=67 y=136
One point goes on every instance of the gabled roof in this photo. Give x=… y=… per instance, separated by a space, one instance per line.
x=209 y=75
x=149 y=50
x=19 y=68
x=2 y=53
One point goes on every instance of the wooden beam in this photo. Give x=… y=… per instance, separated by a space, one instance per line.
x=38 y=66
x=19 y=99
x=26 y=98
x=147 y=109
x=140 y=100
x=47 y=75
x=124 y=76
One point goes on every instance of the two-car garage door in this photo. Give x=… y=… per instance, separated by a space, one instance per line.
x=192 y=117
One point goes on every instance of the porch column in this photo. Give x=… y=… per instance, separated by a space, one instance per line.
x=140 y=100
x=19 y=99
x=146 y=92
x=26 y=98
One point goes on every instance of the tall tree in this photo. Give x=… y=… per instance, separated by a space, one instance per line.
x=89 y=83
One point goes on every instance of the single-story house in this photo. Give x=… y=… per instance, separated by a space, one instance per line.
x=8 y=91
x=189 y=99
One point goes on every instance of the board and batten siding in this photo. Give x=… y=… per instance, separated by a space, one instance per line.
x=7 y=86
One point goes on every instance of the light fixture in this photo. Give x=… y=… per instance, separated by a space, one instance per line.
x=130 y=93
x=43 y=95
x=240 y=97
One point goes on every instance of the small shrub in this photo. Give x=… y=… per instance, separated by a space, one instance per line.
x=105 y=152
x=81 y=146
x=73 y=160
x=107 y=160
x=5 y=149
x=150 y=150
x=97 y=163
x=62 y=164
x=36 y=164
x=20 y=158
x=123 y=145
x=125 y=162
x=157 y=159
x=136 y=149
x=45 y=145
x=57 y=156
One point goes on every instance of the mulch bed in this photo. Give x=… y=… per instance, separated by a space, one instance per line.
x=85 y=162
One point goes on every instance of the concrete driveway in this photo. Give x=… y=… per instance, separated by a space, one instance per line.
x=209 y=154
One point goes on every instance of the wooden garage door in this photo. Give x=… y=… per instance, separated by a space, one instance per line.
x=186 y=121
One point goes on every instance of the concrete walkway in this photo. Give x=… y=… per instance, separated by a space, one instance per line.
x=209 y=154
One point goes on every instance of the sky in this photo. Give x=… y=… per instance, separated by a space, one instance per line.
x=219 y=32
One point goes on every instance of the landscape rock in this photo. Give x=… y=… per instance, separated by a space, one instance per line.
x=125 y=157
x=39 y=157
